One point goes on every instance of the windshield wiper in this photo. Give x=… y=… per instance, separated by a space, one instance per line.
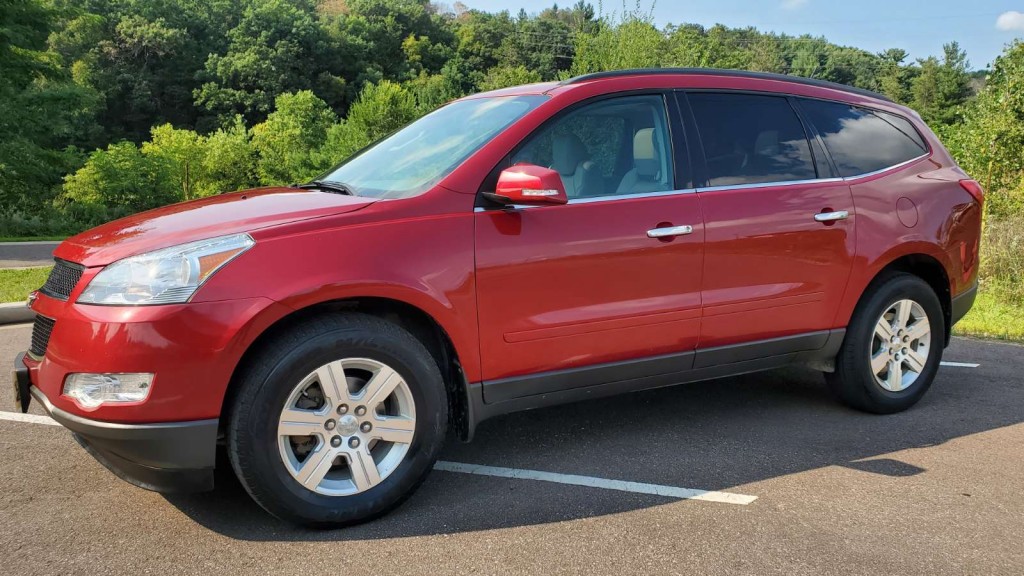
x=336 y=187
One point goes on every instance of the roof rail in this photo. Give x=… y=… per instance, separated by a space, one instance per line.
x=729 y=73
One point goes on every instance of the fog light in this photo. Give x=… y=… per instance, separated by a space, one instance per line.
x=91 y=390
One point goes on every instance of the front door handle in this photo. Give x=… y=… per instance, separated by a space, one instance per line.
x=831 y=216
x=669 y=231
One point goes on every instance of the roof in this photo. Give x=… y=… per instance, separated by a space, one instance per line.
x=722 y=72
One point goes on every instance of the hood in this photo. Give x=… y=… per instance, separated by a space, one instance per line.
x=200 y=219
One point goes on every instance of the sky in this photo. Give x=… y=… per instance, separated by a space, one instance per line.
x=921 y=27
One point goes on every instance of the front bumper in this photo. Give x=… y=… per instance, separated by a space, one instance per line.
x=164 y=457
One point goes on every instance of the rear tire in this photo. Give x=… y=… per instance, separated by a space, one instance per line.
x=892 y=348
x=337 y=421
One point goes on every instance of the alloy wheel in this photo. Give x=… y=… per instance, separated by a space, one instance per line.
x=346 y=426
x=900 y=345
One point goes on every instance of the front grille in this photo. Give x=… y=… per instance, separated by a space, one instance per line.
x=41 y=331
x=62 y=280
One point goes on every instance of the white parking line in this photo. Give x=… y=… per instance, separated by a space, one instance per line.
x=29 y=418
x=589 y=481
x=960 y=364
x=592 y=482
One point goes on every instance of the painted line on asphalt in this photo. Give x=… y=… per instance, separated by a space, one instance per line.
x=959 y=364
x=572 y=479
x=28 y=418
x=593 y=482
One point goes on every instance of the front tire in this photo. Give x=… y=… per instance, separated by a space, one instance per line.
x=337 y=421
x=892 y=348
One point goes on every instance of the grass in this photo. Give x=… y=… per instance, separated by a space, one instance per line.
x=16 y=283
x=999 y=310
x=31 y=238
x=992 y=318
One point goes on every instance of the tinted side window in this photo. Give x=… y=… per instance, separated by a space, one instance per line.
x=861 y=140
x=610 y=147
x=751 y=139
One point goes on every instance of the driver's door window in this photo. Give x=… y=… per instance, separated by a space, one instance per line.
x=612 y=147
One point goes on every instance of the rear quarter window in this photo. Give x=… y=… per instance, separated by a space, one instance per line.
x=861 y=140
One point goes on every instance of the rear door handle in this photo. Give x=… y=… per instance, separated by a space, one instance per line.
x=669 y=231
x=831 y=216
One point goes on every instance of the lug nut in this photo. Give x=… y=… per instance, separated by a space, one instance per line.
x=353 y=442
x=330 y=424
x=343 y=409
x=361 y=410
x=366 y=427
x=906 y=338
x=336 y=441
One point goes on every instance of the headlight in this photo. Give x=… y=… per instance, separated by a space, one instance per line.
x=168 y=276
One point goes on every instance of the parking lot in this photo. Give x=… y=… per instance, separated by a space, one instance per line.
x=935 y=490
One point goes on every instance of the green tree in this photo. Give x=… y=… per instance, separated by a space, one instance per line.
x=43 y=113
x=121 y=176
x=505 y=76
x=183 y=152
x=942 y=86
x=389 y=39
x=230 y=161
x=433 y=90
x=893 y=76
x=990 y=143
x=380 y=109
x=633 y=43
x=142 y=57
x=285 y=141
x=278 y=47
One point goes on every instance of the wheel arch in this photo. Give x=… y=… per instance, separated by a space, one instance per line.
x=926 y=267
x=423 y=326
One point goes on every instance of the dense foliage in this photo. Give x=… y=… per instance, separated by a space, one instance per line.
x=113 y=106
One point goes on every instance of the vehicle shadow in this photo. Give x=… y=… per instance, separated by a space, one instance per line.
x=716 y=435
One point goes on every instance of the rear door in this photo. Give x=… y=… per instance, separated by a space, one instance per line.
x=779 y=242
x=562 y=288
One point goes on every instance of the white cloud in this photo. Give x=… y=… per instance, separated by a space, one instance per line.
x=1011 y=20
x=792 y=4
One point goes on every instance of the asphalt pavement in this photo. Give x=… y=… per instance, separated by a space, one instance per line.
x=934 y=490
x=25 y=254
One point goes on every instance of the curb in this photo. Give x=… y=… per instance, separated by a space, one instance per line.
x=15 y=313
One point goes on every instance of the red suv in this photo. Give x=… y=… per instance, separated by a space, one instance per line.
x=512 y=250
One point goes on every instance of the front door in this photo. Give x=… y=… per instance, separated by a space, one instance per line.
x=610 y=277
x=779 y=242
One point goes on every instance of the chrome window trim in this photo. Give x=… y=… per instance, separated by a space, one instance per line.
x=812 y=180
x=593 y=199
x=631 y=196
x=886 y=169
x=768 y=184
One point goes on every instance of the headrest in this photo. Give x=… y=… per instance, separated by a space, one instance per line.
x=567 y=151
x=645 y=157
x=767 y=143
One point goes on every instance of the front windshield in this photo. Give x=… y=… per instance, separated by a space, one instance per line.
x=417 y=156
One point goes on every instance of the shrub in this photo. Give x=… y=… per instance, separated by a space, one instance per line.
x=285 y=142
x=122 y=176
x=1002 y=259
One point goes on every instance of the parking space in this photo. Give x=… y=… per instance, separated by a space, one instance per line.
x=825 y=490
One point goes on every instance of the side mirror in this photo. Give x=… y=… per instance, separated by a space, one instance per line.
x=529 y=184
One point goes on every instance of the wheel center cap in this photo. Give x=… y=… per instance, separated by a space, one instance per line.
x=348 y=425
